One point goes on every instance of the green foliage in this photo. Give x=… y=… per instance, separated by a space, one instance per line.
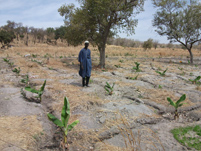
x=196 y=80
x=136 y=68
x=63 y=123
x=39 y=92
x=118 y=66
x=6 y=37
x=177 y=104
x=179 y=21
x=6 y=60
x=100 y=21
x=133 y=78
x=162 y=73
x=34 y=56
x=121 y=61
x=148 y=44
x=160 y=87
x=108 y=88
x=17 y=70
x=26 y=81
x=184 y=136
x=180 y=68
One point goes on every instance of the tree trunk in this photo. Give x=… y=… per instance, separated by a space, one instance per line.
x=191 y=56
x=102 y=56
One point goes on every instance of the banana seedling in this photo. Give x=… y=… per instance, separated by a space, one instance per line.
x=17 y=70
x=137 y=67
x=26 y=81
x=177 y=104
x=108 y=88
x=133 y=78
x=39 y=92
x=162 y=73
x=196 y=80
x=6 y=60
x=63 y=123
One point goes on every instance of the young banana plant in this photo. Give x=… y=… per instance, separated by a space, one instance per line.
x=26 y=81
x=137 y=67
x=162 y=73
x=196 y=80
x=39 y=92
x=17 y=70
x=63 y=123
x=177 y=104
x=108 y=88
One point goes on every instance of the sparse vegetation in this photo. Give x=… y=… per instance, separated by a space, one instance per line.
x=63 y=123
x=162 y=73
x=26 y=81
x=108 y=88
x=136 y=68
x=196 y=80
x=189 y=136
x=177 y=104
x=17 y=70
x=39 y=92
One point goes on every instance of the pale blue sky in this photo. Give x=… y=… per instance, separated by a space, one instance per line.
x=43 y=14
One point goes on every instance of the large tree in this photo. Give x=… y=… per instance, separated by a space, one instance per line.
x=180 y=21
x=96 y=20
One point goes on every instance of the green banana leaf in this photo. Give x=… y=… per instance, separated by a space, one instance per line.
x=171 y=102
x=65 y=113
x=55 y=120
x=182 y=98
x=43 y=86
x=70 y=127
x=31 y=90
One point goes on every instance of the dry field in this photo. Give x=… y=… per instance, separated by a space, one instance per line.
x=134 y=115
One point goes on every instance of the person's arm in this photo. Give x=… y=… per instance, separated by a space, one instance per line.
x=80 y=59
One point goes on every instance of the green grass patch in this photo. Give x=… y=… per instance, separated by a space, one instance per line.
x=189 y=136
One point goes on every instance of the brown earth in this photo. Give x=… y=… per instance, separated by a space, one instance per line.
x=137 y=108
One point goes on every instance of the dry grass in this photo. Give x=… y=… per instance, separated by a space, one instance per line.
x=19 y=132
x=78 y=98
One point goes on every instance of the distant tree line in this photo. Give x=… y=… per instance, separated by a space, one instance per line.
x=13 y=30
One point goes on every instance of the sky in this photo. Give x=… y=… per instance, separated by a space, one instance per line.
x=44 y=14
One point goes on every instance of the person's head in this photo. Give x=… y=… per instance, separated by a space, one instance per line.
x=86 y=44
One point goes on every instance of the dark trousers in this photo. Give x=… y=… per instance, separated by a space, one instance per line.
x=87 y=81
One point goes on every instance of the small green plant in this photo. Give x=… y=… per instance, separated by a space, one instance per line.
x=191 y=74
x=17 y=70
x=6 y=60
x=177 y=104
x=34 y=56
x=196 y=80
x=160 y=87
x=196 y=65
x=26 y=81
x=108 y=88
x=33 y=60
x=136 y=68
x=162 y=73
x=121 y=61
x=118 y=66
x=11 y=64
x=61 y=57
x=188 y=136
x=133 y=78
x=63 y=123
x=39 y=92
x=180 y=68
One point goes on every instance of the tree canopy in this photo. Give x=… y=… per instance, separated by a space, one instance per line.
x=180 y=21
x=97 y=20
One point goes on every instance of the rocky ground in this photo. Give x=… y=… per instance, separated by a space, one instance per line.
x=136 y=116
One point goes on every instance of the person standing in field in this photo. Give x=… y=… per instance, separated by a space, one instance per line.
x=85 y=64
